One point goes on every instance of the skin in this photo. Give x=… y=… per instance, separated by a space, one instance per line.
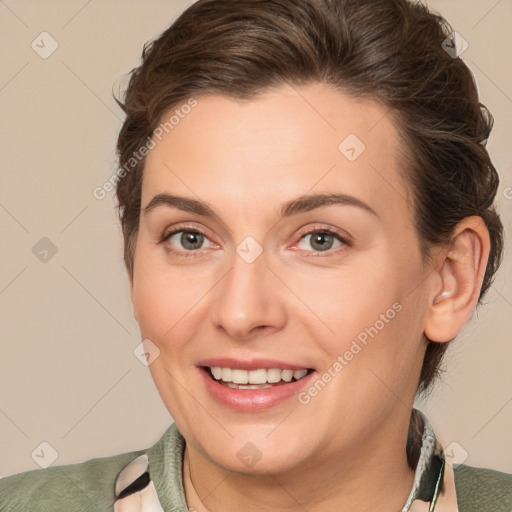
x=295 y=302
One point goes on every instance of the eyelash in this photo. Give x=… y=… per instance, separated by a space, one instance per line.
x=346 y=241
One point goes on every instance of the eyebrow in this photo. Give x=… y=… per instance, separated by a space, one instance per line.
x=295 y=206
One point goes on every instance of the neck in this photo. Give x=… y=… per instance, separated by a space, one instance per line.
x=374 y=475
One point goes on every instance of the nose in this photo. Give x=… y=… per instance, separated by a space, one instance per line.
x=250 y=300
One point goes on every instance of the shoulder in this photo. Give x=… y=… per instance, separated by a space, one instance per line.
x=86 y=486
x=481 y=489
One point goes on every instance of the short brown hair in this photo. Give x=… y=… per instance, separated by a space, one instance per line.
x=387 y=50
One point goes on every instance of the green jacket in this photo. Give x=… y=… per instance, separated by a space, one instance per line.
x=91 y=486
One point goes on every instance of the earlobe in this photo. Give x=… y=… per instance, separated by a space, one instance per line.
x=458 y=277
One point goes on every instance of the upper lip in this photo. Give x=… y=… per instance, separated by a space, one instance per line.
x=250 y=364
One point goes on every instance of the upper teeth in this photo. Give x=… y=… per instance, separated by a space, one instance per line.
x=260 y=376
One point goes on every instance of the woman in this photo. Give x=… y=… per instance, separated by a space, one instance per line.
x=307 y=210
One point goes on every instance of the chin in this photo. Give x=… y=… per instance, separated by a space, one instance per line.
x=253 y=453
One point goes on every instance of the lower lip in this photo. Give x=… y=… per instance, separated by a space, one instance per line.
x=253 y=400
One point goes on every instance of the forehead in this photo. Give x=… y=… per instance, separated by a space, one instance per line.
x=283 y=142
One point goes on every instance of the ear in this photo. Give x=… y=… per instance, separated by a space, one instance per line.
x=460 y=273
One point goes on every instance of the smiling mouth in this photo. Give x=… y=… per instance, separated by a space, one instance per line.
x=261 y=378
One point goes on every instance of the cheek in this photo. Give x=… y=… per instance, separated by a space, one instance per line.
x=152 y=304
x=372 y=320
x=348 y=299
x=168 y=298
x=154 y=297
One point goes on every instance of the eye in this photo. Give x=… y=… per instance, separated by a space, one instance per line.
x=322 y=240
x=188 y=241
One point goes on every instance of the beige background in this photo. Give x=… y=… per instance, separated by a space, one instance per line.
x=68 y=373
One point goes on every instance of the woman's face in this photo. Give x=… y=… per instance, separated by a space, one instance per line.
x=257 y=290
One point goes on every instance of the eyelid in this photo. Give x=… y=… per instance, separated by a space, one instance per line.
x=181 y=227
x=322 y=228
